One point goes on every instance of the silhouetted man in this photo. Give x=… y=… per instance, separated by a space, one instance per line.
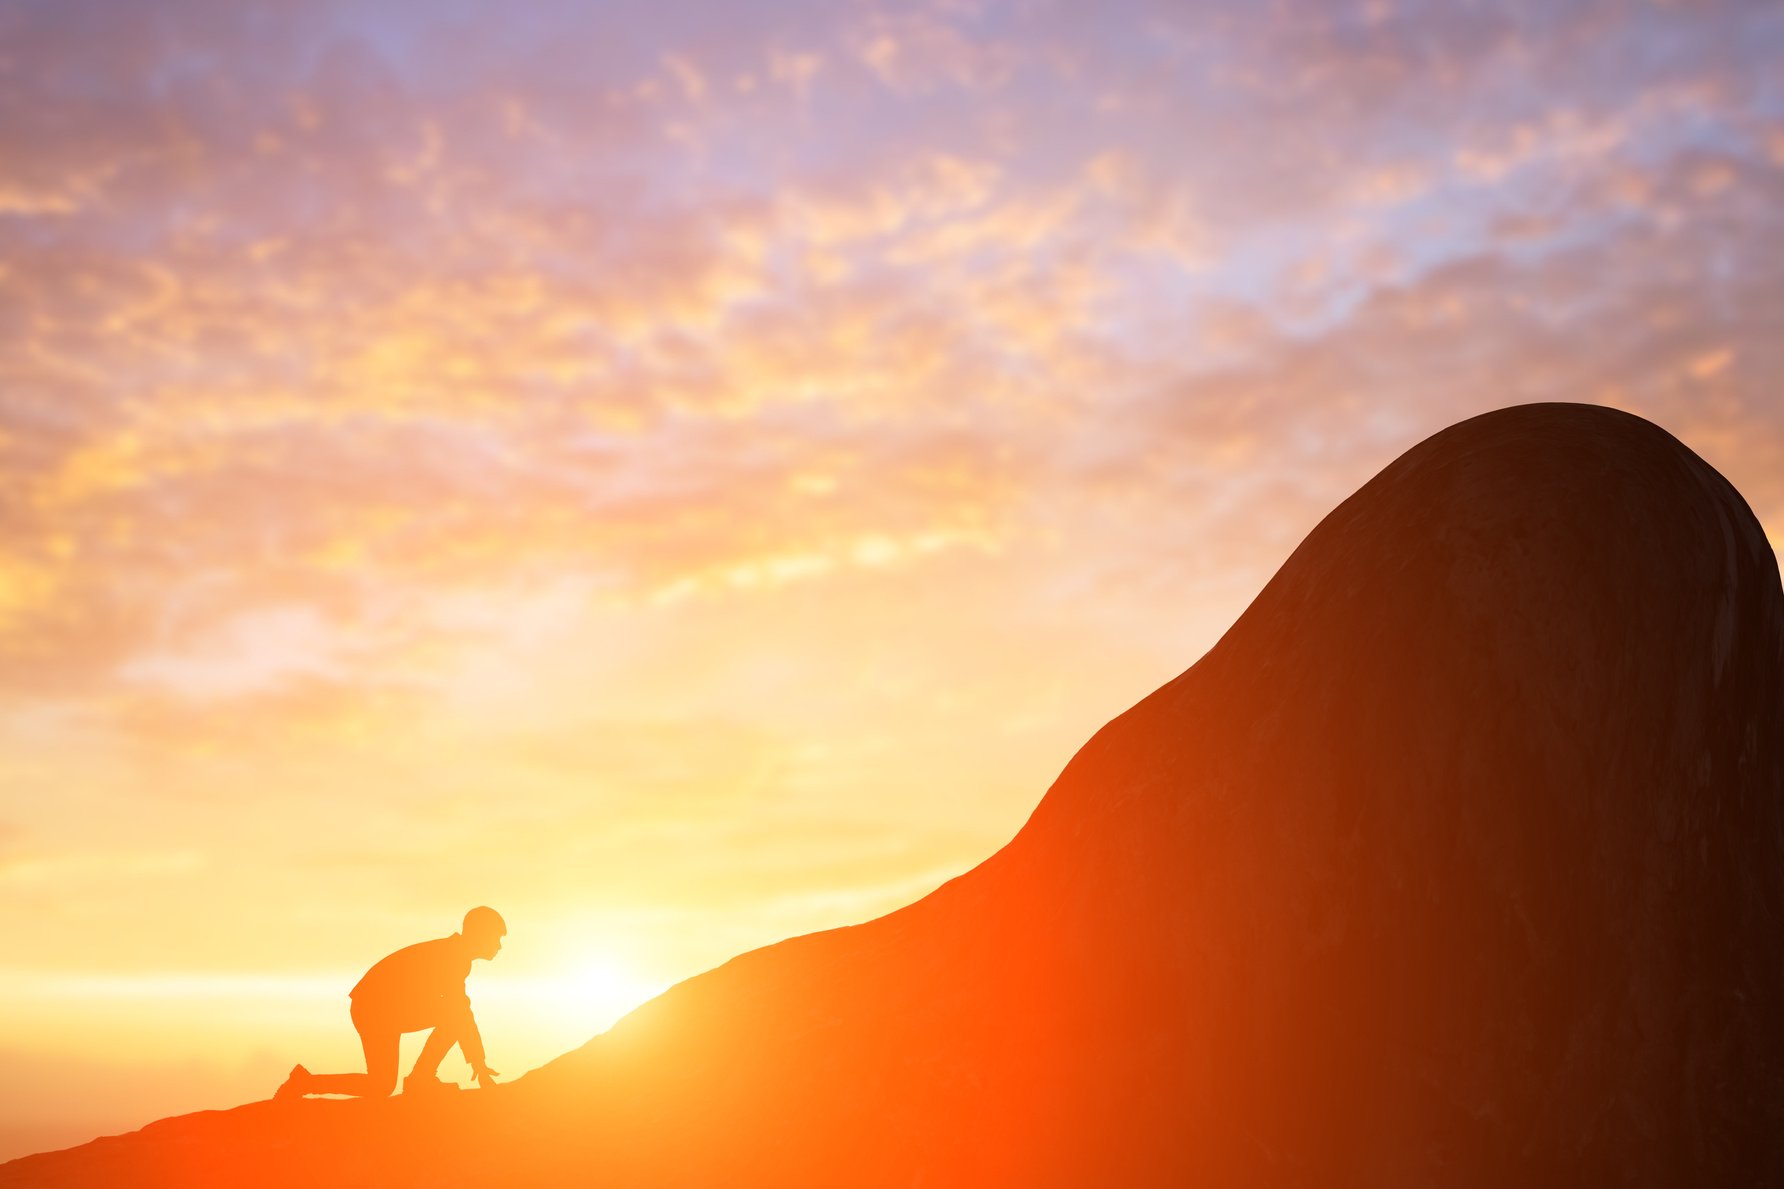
x=419 y=987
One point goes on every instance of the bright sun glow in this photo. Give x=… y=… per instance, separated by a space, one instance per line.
x=610 y=990
x=592 y=993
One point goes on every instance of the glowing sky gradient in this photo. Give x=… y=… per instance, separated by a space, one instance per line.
x=690 y=474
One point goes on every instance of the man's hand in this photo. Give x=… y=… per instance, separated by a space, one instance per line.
x=485 y=1077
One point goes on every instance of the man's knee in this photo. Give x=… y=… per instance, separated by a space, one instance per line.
x=451 y=1025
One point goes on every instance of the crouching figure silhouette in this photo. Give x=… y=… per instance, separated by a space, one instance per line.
x=419 y=987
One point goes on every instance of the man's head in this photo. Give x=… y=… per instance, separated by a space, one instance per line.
x=484 y=929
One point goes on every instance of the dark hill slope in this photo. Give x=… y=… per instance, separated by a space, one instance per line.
x=1459 y=860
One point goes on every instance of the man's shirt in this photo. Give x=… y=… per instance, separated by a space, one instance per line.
x=419 y=986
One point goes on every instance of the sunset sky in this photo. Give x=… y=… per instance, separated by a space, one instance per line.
x=689 y=474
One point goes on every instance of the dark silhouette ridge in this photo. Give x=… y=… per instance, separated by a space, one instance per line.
x=1459 y=861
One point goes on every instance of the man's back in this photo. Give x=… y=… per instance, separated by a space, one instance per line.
x=412 y=982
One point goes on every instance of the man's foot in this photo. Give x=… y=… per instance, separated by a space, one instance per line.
x=426 y=1084
x=296 y=1085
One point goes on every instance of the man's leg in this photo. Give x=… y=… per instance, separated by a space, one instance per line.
x=380 y=1043
x=439 y=1043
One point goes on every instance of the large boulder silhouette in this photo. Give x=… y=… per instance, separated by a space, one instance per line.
x=1459 y=860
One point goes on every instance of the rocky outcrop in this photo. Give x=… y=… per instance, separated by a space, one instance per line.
x=1459 y=860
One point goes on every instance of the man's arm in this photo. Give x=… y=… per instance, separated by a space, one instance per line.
x=470 y=1042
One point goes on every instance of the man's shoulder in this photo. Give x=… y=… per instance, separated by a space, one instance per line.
x=435 y=945
x=439 y=953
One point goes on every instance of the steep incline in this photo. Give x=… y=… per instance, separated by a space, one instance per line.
x=1459 y=860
